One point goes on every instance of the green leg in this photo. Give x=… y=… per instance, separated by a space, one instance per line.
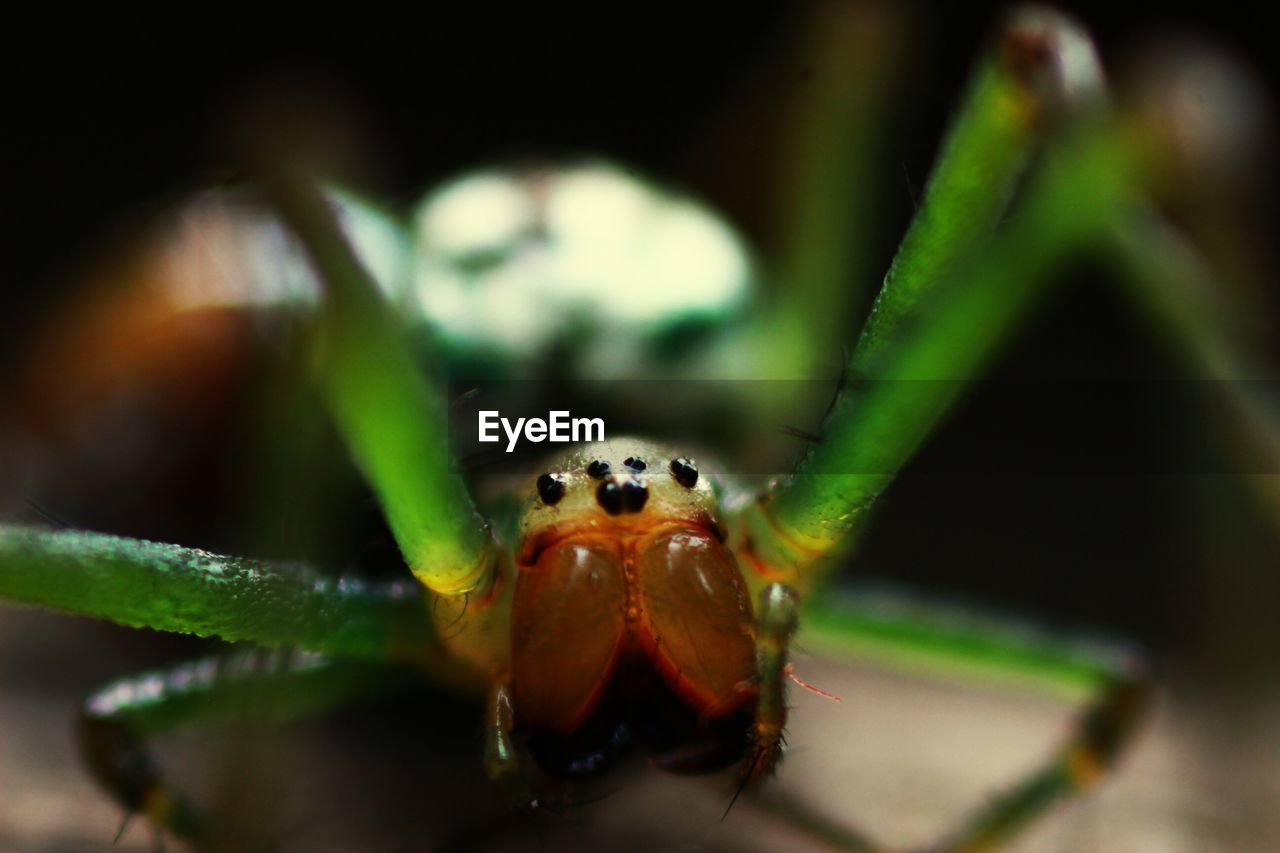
x=910 y=632
x=945 y=309
x=897 y=396
x=169 y=588
x=1098 y=739
x=946 y=641
x=1185 y=297
x=833 y=146
x=386 y=411
x=1041 y=68
x=273 y=687
x=796 y=814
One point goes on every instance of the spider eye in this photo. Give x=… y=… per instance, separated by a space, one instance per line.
x=551 y=488
x=615 y=498
x=598 y=469
x=634 y=495
x=635 y=463
x=609 y=496
x=684 y=471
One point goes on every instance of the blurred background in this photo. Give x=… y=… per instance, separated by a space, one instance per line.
x=108 y=135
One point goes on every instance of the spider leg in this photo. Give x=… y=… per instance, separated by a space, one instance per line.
x=1040 y=72
x=185 y=590
x=904 y=379
x=386 y=411
x=1040 y=66
x=834 y=143
x=1185 y=296
x=115 y=723
x=1097 y=740
x=952 y=642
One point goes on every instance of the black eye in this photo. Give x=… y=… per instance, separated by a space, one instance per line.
x=635 y=463
x=616 y=499
x=634 y=495
x=598 y=469
x=684 y=471
x=609 y=496
x=551 y=488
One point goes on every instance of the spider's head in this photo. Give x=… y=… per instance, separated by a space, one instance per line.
x=623 y=484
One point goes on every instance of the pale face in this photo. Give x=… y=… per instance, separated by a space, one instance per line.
x=624 y=484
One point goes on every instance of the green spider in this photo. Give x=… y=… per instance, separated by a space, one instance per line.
x=633 y=605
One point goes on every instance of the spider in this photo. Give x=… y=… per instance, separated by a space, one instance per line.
x=640 y=602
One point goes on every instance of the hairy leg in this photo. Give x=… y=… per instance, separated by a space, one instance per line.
x=186 y=590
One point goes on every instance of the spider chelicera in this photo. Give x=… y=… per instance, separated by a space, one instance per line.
x=638 y=602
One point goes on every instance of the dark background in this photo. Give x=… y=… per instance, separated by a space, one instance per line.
x=103 y=120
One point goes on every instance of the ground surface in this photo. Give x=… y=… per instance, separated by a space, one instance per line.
x=902 y=755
